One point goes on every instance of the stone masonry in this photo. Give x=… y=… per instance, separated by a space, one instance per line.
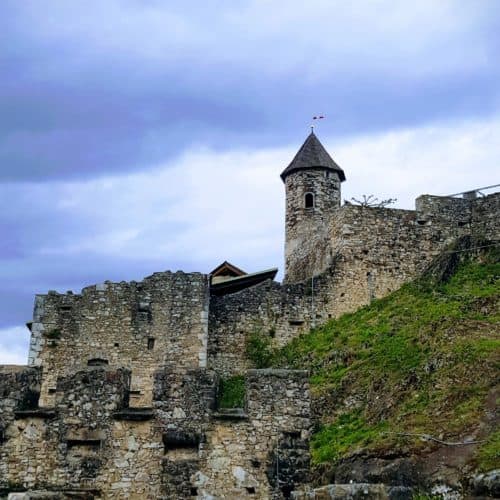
x=120 y=395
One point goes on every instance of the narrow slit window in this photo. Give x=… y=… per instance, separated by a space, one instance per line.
x=151 y=343
x=309 y=200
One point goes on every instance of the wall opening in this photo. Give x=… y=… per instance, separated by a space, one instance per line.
x=151 y=343
x=309 y=200
x=97 y=362
x=231 y=392
x=180 y=445
x=371 y=286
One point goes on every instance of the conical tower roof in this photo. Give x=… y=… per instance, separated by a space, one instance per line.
x=312 y=154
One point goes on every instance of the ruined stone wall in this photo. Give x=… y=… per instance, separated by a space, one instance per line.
x=280 y=312
x=259 y=452
x=91 y=444
x=79 y=445
x=485 y=217
x=142 y=326
x=19 y=390
x=462 y=216
x=306 y=229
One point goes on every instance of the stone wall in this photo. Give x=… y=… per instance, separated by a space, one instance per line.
x=485 y=217
x=277 y=311
x=373 y=251
x=251 y=455
x=280 y=312
x=142 y=326
x=91 y=444
x=79 y=445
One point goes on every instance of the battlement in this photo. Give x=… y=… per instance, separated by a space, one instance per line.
x=140 y=325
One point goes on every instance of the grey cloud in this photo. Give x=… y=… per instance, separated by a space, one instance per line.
x=85 y=95
x=152 y=100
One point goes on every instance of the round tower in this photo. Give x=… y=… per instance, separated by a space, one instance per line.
x=312 y=186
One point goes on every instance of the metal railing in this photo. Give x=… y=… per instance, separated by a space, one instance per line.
x=473 y=193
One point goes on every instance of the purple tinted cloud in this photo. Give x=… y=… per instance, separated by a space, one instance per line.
x=105 y=90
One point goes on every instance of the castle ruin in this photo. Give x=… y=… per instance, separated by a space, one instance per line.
x=120 y=395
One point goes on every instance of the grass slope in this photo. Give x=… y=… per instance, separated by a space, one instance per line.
x=424 y=360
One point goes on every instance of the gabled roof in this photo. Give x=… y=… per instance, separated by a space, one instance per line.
x=227 y=269
x=238 y=283
x=312 y=154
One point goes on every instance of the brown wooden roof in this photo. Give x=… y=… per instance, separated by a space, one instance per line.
x=227 y=269
x=238 y=283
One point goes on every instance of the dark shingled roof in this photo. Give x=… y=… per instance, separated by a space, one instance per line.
x=312 y=154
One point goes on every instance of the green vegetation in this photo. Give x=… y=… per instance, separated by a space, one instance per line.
x=349 y=431
x=489 y=453
x=420 y=361
x=259 y=349
x=232 y=392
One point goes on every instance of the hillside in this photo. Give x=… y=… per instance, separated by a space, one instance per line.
x=401 y=384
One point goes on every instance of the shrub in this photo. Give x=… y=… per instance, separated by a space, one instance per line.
x=232 y=392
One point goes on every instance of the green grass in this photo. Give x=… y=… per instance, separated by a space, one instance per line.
x=489 y=453
x=232 y=392
x=348 y=432
x=420 y=360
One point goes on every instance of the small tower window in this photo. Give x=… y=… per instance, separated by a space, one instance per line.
x=309 y=200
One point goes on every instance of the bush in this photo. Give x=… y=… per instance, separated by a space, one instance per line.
x=259 y=350
x=232 y=392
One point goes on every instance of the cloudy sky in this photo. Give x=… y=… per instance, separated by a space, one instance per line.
x=142 y=135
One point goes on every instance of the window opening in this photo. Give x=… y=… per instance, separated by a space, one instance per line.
x=309 y=200
x=97 y=362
